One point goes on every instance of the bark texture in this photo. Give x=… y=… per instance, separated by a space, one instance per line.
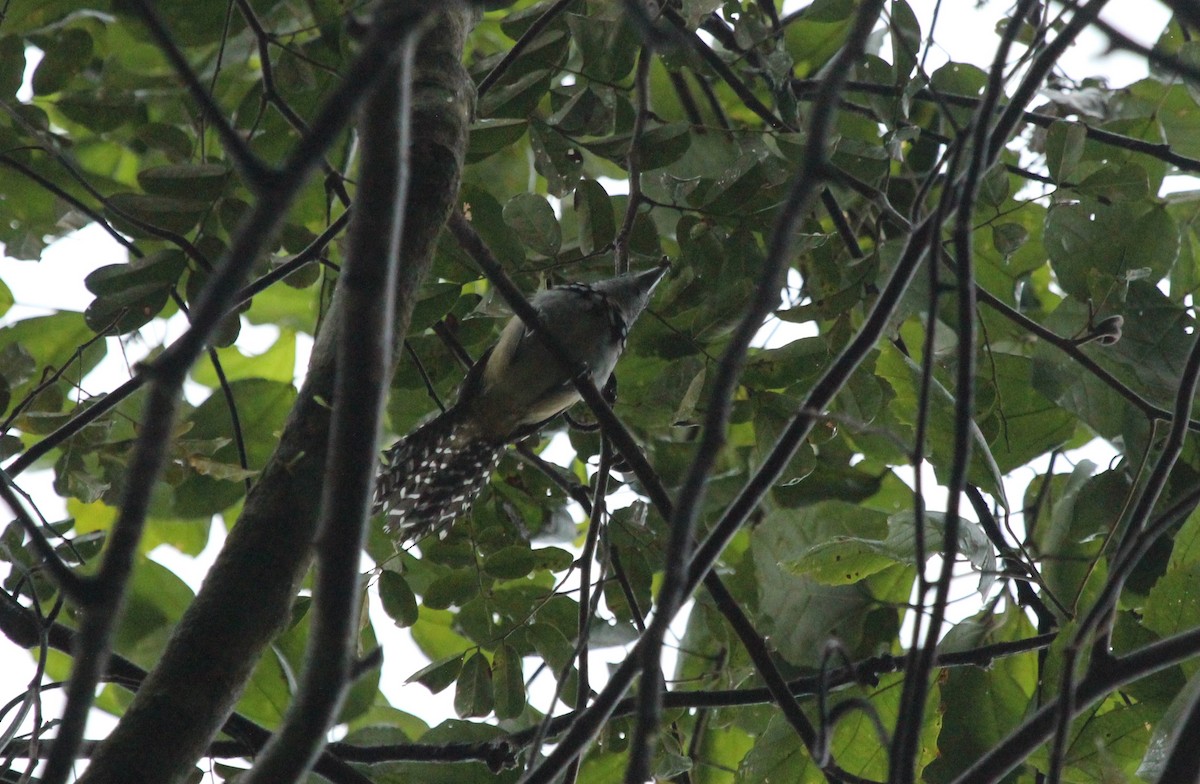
x=246 y=598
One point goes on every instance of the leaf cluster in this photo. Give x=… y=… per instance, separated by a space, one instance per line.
x=591 y=152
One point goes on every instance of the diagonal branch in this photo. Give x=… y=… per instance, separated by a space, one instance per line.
x=1158 y=150
x=364 y=337
x=257 y=175
x=800 y=199
x=906 y=741
x=995 y=764
x=268 y=550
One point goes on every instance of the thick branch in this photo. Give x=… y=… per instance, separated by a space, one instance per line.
x=219 y=639
x=364 y=337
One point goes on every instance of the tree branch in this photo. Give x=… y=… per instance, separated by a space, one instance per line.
x=906 y=740
x=994 y=765
x=364 y=336
x=800 y=199
x=256 y=174
x=216 y=644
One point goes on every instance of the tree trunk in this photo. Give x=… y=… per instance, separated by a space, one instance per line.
x=246 y=598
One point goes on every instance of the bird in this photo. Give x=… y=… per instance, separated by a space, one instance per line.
x=432 y=476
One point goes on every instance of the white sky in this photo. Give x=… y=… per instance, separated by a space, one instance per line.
x=964 y=33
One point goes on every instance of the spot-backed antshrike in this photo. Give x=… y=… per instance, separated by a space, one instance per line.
x=432 y=476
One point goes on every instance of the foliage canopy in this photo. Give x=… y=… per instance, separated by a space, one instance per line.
x=976 y=272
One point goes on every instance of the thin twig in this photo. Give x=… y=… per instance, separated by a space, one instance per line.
x=906 y=742
x=691 y=496
x=1160 y=151
x=584 y=691
x=256 y=174
x=744 y=93
x=522 y=43
x=67 y=581
x=633 y=160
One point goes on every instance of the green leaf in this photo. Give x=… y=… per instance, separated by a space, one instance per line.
x=218 y=470
x=435 y=638
x=516 y=99
x=594 y=212
x=1095 y=248
x=580 y=110
x=1064 y=149
x=62 y=340
x=64 y=58
x=1022 y=423
x=172 y=141
x=844 y=560
x=487 y=217
x=185 y=181
x=1166 y=732
x=1009 y=237
x=102 y=113
x=262 y=407
x=608 y=46
x=904 y=377
x=1189 y=52
x=508 y=678
x=906 y=37
x=129 y=295
x=818 y=33
x=398 y=600
x=1105 y=744
x=1128 y=182
x=409 y=727
x=510 y=562
x=277 y=363
x=555 y=158
x=12 y=65
x=552 y=559
x=125 y=312
x=436 y=301
x=803 y=613
x=488 y=137
x=474 y=697
x=657 y=147
x=670 y=761
x=777 y=368
x=552 y=645
x=778 y=754
x=138 y=214
x=437 y=675
x=532 y=218
x=453 y=588
x=1146 y=359
x=162 y=268
x=958 y=79
x=268 y=693
x=982 y=705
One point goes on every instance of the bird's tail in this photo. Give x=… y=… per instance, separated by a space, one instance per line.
x=432 y=476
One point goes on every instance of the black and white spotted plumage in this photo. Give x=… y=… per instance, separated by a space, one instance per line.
x=432 y=476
